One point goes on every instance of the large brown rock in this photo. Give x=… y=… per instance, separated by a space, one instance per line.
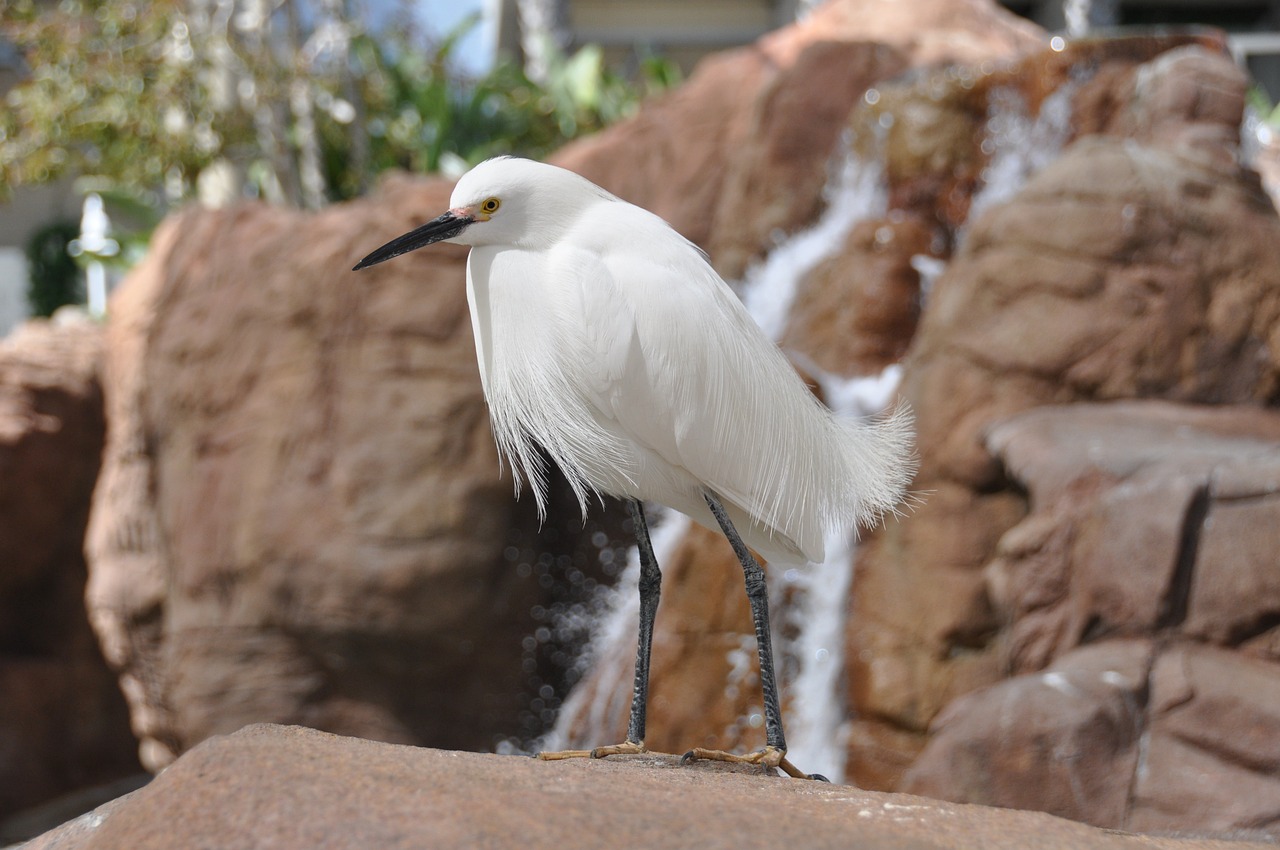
x=1064 y=741
x=1127 y=268
x=1149 y=520
x=1147 y=516
x=1121 y=734
x=301 y=516
x=857 y=311
x=287 y=788
x=63 y=721
x=1213 y=747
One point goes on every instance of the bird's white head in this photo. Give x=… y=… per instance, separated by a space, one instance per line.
x=503 y=201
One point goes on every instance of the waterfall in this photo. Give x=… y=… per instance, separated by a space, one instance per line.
x=1020 y=144
x=768 y=289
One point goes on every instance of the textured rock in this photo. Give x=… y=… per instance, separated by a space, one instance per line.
x=301 y=516
x=1213 y=746
x=1064 y=741
x=857 y=311
x=1126 y=268
x=1123 y=734
x=295 y=788
x=945 y=134
x=1126 y=499
x=1147 y=516
x=63 y=721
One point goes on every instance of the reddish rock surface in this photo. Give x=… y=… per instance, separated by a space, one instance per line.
x=63 y=721
x=1146 y=516
x=295 y=788
x=1129 y=734
x=1064 y=741
x=1124 y=269
x=857 y=311
x=1126 y=498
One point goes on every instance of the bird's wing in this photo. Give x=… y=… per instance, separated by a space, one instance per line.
x=672 y=359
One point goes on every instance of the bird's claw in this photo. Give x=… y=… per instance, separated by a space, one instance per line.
x=769 y=757
x=628 y=748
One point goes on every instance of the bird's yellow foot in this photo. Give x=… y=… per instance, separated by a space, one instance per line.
x=626 y=748
x=770 y=757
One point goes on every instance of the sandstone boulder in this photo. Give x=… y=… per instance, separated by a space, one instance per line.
x=856 y=313
x=1065 y=740
x=1126 y=268
x=1122 y=734
x=295 y=788
x=63 y=721
x=1101 y=588
x=1146 y=516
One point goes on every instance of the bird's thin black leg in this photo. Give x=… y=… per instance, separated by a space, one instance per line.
x=775 y=752
x=758 y=594
x=650 y=593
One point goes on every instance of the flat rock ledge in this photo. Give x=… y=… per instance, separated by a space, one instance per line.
x=288 y=787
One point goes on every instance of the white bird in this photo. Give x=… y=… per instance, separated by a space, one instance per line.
x=606 y=340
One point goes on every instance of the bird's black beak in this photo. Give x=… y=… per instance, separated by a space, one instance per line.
x=446 y=226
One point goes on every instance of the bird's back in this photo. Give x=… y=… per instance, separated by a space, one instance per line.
x=620 y=351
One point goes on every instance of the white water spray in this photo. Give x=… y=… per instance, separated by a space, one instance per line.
x=592 y=708
x=1019 y=144
x=769 y=288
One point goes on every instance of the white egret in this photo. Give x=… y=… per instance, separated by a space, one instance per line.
x=606 y=340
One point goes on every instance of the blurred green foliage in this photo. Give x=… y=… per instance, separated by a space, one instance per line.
x=110 y=92
x=55 y=278
x=147 y=96
x=1268 y=112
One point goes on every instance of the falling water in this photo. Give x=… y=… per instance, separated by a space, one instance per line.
x=1084 y=16
x=592 y=710
x=1020 y=144
x=858 y=192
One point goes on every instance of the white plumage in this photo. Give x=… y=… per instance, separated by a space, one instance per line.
x=606 y=338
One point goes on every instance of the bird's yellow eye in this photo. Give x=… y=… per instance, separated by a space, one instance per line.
x=490 y=206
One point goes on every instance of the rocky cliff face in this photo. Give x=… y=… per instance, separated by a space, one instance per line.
x=1104 y=278
x=63 y=722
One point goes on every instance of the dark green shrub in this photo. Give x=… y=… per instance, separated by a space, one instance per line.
x=55 y=277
